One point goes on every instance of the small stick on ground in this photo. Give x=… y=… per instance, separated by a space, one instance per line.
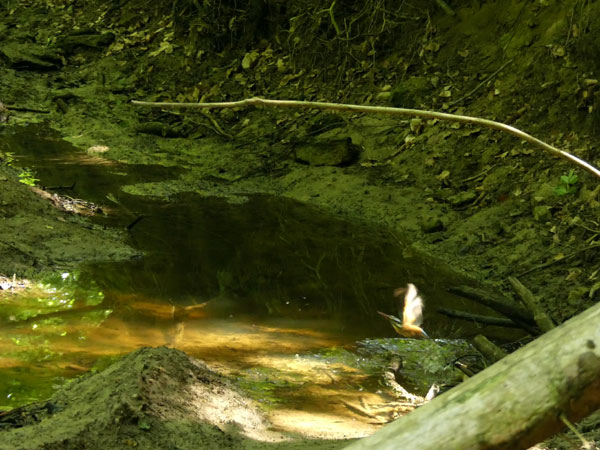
x=556 y=261
x=585 y=444
x=488 y=349
x=503 y=305
x=542 y=319
x=488 y=320
x=483 y=83
x=389 y=378
x=442 y=4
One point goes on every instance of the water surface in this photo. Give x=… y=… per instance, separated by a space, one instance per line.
x=256 y=289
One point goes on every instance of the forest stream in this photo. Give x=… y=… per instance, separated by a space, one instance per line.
x=267 y=290
x=176 y=277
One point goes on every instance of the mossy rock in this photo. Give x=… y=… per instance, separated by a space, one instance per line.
x=335 y=152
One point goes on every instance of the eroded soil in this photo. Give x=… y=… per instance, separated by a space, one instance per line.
x=153 y=398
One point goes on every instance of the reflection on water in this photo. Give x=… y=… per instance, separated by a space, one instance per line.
x=56 y=338
x=252 y=288
x=268 y=257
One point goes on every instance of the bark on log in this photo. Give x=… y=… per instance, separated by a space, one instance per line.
x=514 y=403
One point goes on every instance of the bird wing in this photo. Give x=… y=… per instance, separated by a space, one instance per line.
x=413 y=307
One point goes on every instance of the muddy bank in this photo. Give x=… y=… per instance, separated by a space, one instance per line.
x=37 y=237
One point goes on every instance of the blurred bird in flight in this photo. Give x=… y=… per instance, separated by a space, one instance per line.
x=412 y=316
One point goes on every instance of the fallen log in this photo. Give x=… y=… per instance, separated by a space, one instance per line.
x=513 y=404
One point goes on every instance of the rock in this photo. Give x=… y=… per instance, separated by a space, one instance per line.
x=418 y=372
x=338 y=152
x=462 y=198
x=20 y=56
x=432 y=224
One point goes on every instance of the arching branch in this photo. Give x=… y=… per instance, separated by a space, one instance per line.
x=256 y=101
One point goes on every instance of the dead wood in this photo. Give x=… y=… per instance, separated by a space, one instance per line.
x=542 y=319
x=499 y=303
x=478 y=318
x=258 y=101
x=488 y=349
x=513 y=404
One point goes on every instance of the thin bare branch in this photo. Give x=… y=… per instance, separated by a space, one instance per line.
x=256 y=101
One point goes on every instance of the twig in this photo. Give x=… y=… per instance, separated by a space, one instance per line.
x=542 y=319
x=555 y=261
x=584 y=442
x=216 y=126
x=442 y=4
x=134 y=223
x=389 y=378
x=476 y=88
x=254 y=101
x=497 y=302
x=496 y=321
x=464 y=368
x=488 y=349
x=480 y=174
x=331 y=16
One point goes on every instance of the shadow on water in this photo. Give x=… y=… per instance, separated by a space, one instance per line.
x=269 y=257
x=241 y=285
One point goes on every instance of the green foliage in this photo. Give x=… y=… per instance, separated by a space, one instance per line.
x=567 y=184
x=27 y=176
x=7 y=158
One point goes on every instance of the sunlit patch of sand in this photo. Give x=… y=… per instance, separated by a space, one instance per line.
x=320 y=425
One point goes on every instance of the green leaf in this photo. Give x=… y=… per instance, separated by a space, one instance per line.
x=561 y=190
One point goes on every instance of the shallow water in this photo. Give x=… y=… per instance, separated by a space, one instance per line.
x=256 y=289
